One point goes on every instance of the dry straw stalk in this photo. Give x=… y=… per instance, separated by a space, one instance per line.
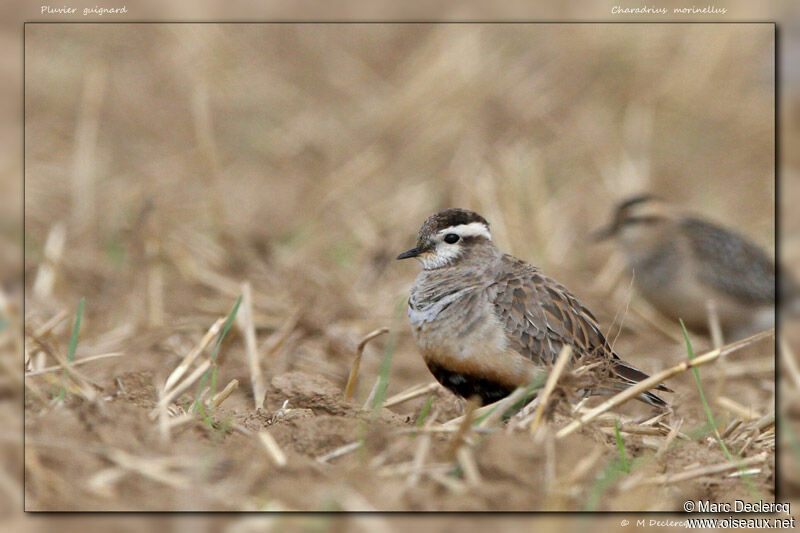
x=657 y=378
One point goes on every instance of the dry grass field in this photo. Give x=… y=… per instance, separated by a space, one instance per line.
x=171 y=169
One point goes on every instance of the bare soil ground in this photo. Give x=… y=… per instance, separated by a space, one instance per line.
x=116 y=449
x=176 y=166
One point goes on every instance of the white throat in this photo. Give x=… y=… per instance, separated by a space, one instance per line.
x=439 y=258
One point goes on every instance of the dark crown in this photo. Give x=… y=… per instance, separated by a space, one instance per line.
x=448 y=218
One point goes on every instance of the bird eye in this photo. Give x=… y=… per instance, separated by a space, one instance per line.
x=451 y=238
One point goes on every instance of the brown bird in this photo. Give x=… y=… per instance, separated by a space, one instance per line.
x=487 y=323
x=680 y=263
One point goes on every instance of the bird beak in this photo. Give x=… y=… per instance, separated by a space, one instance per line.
x=603 y=234
x=414 y=252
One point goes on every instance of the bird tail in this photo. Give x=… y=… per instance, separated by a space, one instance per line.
x=630 y=376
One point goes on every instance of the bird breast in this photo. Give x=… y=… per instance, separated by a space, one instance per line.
x=453 y=323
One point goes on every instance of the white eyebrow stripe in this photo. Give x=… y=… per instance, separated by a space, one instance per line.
x=473 y=229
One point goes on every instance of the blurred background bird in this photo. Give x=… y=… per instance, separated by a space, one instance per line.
x=692 y=269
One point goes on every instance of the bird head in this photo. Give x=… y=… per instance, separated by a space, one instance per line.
x=449 y=237
x=637 y=220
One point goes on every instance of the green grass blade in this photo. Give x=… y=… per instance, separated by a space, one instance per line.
x=226 y=327
x=621 y=447
x=383 y=378
x=212 y=372
x=73 y=344
x=386 y=361
x=424 y=413
x=710 y=415
x=696 y=372
x=76 y=328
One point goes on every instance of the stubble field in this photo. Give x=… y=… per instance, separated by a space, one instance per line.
x=172 y=169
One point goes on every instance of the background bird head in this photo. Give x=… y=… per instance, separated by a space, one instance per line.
x=639 y=221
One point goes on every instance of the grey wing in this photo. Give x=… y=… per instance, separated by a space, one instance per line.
x=731 y=263
x=540 y=316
